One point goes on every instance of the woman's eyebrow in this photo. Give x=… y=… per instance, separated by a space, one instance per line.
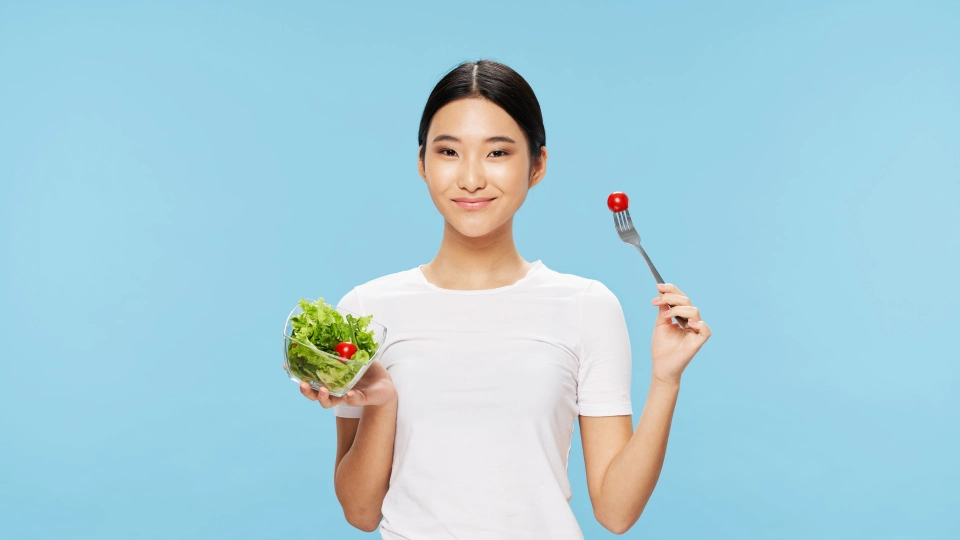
x=497 y=138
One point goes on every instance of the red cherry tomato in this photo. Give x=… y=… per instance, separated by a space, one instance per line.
x=346 y=349
x=617 y=201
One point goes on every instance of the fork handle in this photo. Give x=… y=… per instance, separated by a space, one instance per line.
x=681 y=321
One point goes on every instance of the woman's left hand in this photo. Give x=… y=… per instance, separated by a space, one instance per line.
x=672 y=346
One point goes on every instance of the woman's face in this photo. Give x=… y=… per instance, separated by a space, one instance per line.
x=475 y=150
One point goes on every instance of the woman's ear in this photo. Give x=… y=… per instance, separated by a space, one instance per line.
x=538 y=169
x=420 y=165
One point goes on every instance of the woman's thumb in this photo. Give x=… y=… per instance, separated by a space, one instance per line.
x=355 y=398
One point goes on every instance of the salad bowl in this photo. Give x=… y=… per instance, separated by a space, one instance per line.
x=304 y=361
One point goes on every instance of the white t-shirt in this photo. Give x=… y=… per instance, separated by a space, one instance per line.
x=489 y=383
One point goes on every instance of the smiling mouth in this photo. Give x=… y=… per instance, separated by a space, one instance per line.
x=474 y=205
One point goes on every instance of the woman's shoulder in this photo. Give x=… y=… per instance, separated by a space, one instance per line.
x=575 y=282
x=360 y=296
x=392 y=282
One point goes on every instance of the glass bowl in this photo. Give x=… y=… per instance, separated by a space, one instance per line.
x=326 y=370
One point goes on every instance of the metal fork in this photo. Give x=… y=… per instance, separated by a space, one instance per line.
x=629 y=234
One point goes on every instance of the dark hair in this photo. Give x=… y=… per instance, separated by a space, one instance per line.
x=493 y=81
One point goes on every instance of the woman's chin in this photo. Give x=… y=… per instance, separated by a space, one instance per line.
x=472 y=229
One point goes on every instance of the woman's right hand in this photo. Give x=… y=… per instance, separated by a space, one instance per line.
x=374 y=388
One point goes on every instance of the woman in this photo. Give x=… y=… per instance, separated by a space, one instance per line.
x=462 y=428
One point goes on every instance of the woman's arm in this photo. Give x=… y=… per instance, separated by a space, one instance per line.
x=361 y=474
x=363 y=464
x=623 y=466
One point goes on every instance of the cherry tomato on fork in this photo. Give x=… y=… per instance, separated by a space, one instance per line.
x=346 y=349
x=617 y=201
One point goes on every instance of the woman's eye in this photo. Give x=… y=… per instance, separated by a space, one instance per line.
x=445 y=150
x=501 y=152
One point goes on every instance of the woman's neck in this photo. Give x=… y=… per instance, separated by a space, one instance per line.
x=487 y=262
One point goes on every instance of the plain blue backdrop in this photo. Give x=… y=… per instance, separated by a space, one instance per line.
x=175 y=176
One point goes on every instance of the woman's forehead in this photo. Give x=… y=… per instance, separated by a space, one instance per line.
x=473 y=120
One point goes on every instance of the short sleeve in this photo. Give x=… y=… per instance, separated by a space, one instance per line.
x=603 y=380
x=350 y=302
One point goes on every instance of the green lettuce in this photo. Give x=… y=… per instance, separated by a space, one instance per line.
x=320 y=328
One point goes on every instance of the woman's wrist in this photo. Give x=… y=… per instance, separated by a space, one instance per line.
x=665 y=382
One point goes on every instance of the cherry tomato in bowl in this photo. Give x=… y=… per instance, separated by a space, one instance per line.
x=346 y=349
x=617 y=201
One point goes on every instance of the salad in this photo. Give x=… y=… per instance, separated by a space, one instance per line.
x=319 y=329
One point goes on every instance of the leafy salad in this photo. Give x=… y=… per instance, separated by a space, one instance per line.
x=320 y=327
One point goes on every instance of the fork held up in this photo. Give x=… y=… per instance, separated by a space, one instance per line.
x=629 y=235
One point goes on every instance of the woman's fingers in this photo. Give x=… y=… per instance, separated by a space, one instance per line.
x=670 y=295
x=673 y=299
x=668 y=288
x=701 y=328
x=690 y=313
x=325 y=399
x=323 y=396
x=310 y=393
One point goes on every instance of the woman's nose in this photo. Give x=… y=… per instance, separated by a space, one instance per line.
x=473 y=176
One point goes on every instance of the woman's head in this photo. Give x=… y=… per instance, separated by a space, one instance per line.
x=481 y=136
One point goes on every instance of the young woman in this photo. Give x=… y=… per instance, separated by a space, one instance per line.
x=462 y=428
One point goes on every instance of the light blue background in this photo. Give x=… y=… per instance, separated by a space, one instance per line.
x=176 y=176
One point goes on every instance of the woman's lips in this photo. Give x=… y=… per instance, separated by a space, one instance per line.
x=473 y=206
